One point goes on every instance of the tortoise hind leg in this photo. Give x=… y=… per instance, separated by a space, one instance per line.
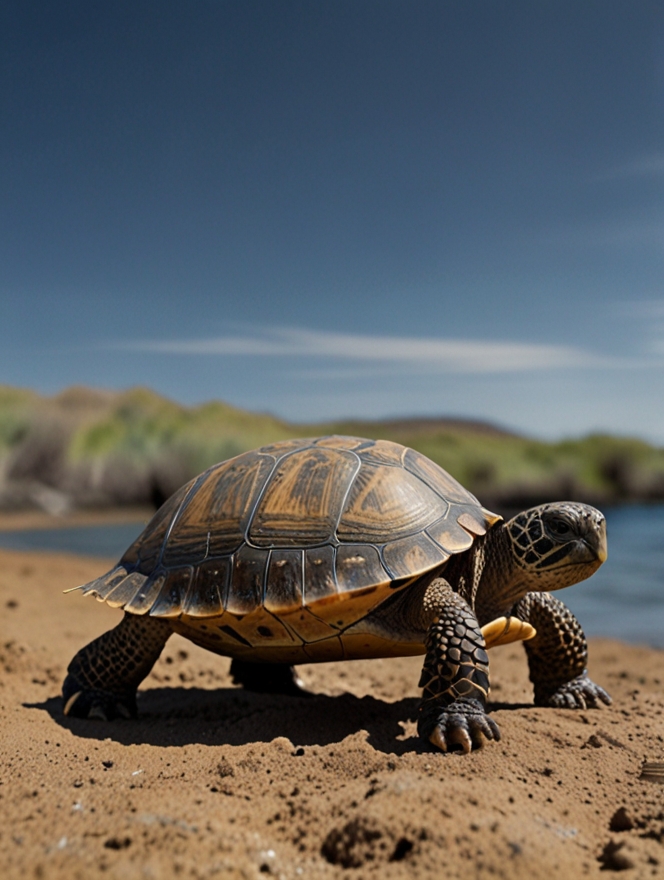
x=267 y=678
x=103 y=677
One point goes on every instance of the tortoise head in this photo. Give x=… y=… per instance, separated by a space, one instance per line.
x=558 y=544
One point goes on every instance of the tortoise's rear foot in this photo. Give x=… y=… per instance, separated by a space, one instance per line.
x=268 y=678
x=85 y=702
x=103 y=677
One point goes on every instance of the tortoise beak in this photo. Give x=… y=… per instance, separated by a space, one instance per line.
x=595 y=539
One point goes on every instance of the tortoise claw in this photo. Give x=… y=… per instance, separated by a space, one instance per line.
x=463 y=723
x=82 y=702
x=97 y=712
x=70 y=702
x=580 y=693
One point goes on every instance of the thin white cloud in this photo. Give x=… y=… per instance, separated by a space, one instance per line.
x=651 y=165
x=440 y=355
x=625 y=233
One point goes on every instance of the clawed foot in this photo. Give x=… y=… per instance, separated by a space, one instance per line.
x=464 y=723
x=580 y=693
x=81 y=702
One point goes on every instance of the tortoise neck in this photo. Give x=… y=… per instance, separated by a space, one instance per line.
x=487 y=577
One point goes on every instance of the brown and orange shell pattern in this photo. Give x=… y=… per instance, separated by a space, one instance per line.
x=278 y=549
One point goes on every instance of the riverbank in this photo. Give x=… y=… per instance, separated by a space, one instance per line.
x=213 y=781
x=25 y=520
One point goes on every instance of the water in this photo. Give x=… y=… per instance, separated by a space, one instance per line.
x=624 y=599
x=109 y=541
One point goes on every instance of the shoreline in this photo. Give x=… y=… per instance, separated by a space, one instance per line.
x=25 y=520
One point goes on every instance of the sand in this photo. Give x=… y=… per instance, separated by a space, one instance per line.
x=215 y=782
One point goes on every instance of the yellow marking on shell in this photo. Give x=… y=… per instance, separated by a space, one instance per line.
x=225 y=632
x=221 y=505
x=385 y=504
x=471 y=524
x=450 y=535
x=383 y=452
x=414 y=555
x=308 y=626
x=342 y=610
x=339 y=441
x=303 y=498
x=491 y=518
x=504 y=630
x=70 y=702
x=358 y=567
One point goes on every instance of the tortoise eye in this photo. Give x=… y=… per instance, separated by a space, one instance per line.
x=559 y=527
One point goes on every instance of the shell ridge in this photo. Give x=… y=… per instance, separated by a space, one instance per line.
x=125 y=590
x=412 y=469
x=259 y=496
x=433 y=488
x=227 y=583
x=340 y=462
x=101 y=587
x=351 y=482
x=265 y=573
x=194 y=486
x=148 y=594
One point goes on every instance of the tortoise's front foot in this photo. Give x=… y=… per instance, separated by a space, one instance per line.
x=85 y=702
x=579 y=693
x=463 y=723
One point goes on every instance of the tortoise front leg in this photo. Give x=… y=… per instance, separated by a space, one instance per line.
x=103 y=677
x=557 y=655
x=455 y=676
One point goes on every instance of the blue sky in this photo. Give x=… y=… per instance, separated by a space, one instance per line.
x=325 y=209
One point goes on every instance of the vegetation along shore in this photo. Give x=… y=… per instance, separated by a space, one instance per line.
x=87 y=448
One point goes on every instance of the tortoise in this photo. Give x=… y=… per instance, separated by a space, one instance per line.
x=336 y=548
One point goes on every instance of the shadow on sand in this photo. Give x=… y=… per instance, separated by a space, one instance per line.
x=177 y=716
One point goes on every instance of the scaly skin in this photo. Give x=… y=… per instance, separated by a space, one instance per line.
x=558 y=655
x=455 y=675
x=103 y=677
x=543 y=548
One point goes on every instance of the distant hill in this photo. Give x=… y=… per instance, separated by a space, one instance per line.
x=87 y=447
x=419 y=425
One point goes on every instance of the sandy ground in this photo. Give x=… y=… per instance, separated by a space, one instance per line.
x=216 y=782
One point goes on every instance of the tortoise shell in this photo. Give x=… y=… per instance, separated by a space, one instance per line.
x=276 y=553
